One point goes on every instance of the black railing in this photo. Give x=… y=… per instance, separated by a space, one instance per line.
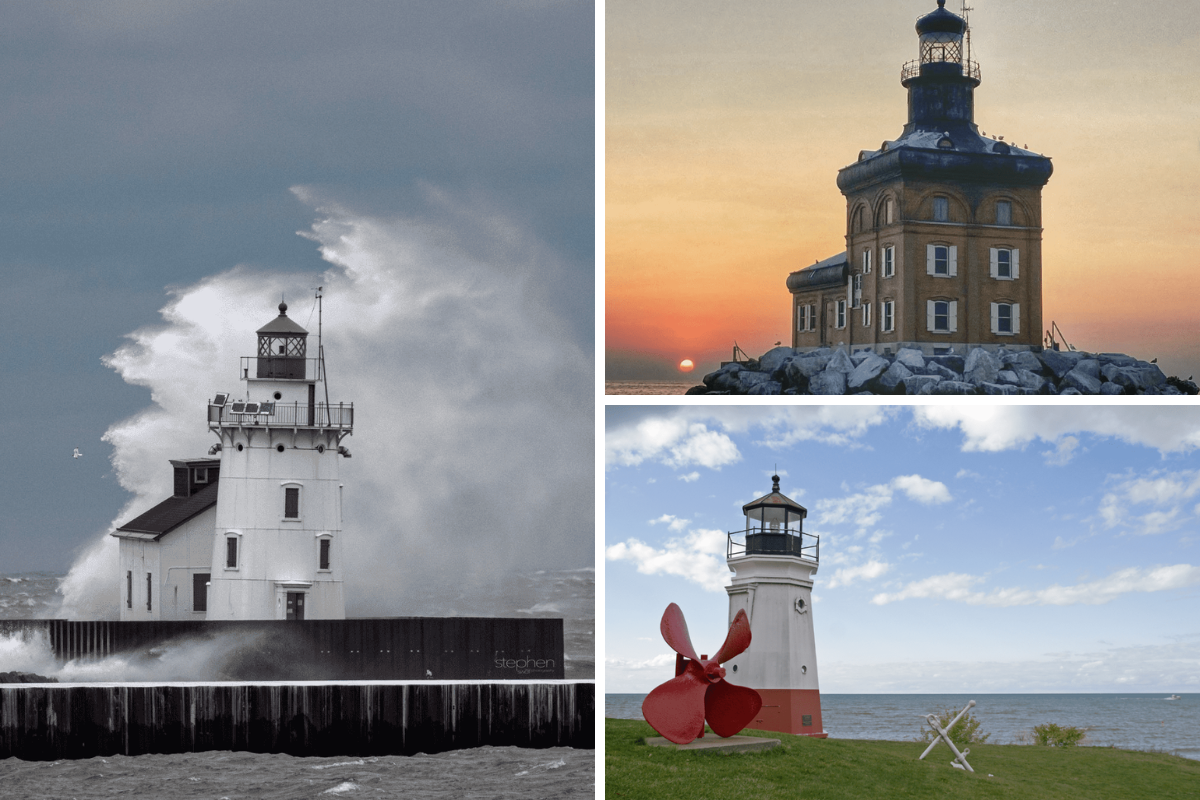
x=773 y=542
x=285 y=368
x=239 y=413
x=913 y=68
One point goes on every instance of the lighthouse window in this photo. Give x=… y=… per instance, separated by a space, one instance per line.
x=889 y=261
x=231 y=552
x=941 y=209
x=291 y=502
x=841 y=314
x=129 y=589
x=324 y=559
x=942 y=316
x=1005 y=263
x=941 y=260
x=888 y=316
x=1006 y=318
x=149 y=591
x=1003 y=212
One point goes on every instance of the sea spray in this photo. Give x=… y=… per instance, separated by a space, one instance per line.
x=466 y=382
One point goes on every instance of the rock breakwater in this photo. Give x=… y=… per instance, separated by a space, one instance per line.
x=827 y=371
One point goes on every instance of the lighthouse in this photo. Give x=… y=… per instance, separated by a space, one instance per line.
x=774 y=561
x=277 y=549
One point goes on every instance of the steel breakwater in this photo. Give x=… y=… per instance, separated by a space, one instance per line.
x=42 y=722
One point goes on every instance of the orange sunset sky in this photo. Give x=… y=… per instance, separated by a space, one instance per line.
x=726 y=124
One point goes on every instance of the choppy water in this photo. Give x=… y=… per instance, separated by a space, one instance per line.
x=1128 y=721
x=504 y=773
x=649 y=387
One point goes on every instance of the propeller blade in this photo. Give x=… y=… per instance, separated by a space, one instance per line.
x=730 y=708
x=674 y=630
x=676 y=708
x=737 y=640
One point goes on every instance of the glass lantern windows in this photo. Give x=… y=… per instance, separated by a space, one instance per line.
x=941 y=47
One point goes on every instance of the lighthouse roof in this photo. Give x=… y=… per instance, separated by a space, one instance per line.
x=775 y=499
x=168 y=515
x=282 y=324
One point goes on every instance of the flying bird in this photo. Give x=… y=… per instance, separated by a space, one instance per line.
x=77 y=454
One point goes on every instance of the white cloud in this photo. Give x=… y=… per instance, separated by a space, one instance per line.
x=958 y=587
x=966 y=473
x=1062 y=455
x=691 y=476
x=698 y=556
x=1153 y=504
x=994 y=428
x=922 y=490
x=864 y=509
x=671 y=521
x=868 y=571
x=697 y=436
x=672 y=441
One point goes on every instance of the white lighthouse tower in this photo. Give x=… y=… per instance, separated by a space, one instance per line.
x=277 y=552
x=774 y=562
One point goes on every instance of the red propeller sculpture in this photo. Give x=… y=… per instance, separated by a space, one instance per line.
x=678 y=708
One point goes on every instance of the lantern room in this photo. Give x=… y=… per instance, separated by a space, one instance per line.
x=774 y=525
x=282 y=347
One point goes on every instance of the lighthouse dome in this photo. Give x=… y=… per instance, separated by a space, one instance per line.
x=941 y=21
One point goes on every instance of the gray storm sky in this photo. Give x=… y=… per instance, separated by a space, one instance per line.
x=149 y=145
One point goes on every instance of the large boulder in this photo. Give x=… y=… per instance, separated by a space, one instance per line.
x=1079 y=379
x=840 y=362
x=829 y=381
x=1028 y=379
x=1060 y=362
x=998 y=388
x=807 y=365
x=1022 y=359
x=1089 y=366
x=942 y=371
x=954 y=387
x=981 y=367
x=894 y=377
x=921 y=384
x=868 y=369
x=912 y=358
x=774 y=359
x=1108 y=387
x=722 y=378
x=766 y=387
x=949 y=361
x=748 y=379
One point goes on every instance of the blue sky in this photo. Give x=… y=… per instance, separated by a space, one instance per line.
x=981 y=548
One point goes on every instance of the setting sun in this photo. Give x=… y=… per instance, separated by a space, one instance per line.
x=686 y=365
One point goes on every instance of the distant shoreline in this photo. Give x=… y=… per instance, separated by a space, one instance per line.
x=649 y=387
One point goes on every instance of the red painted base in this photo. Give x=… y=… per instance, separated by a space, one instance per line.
x=784 y=710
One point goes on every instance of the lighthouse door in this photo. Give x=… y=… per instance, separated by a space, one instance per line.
x=295 y=605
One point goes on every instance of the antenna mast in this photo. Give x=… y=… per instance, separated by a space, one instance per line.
x=321 y=349
x=967 y=25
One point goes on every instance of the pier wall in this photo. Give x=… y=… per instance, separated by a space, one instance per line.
x=55 y=721
x=393 y=648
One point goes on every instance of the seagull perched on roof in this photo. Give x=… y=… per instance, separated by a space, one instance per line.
x=77 y=454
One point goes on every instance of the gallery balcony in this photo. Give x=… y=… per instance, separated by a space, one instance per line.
x=773 y=542
x=223 y=413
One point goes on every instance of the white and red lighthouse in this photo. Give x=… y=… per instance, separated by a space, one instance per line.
x=774 y=561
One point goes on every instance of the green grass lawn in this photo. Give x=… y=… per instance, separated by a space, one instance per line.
x=851 y=768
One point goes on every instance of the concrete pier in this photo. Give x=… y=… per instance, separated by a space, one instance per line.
x=41 y=722
x=390 y=648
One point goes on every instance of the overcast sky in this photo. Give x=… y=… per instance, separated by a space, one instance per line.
x=152 y=147
x=983 y=548
x=726 y=125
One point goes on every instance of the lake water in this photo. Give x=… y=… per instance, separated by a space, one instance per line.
x=1129 y=721
x=650 y=387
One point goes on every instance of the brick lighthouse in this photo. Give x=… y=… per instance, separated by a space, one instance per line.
x=774 y=562
x=277 y=553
